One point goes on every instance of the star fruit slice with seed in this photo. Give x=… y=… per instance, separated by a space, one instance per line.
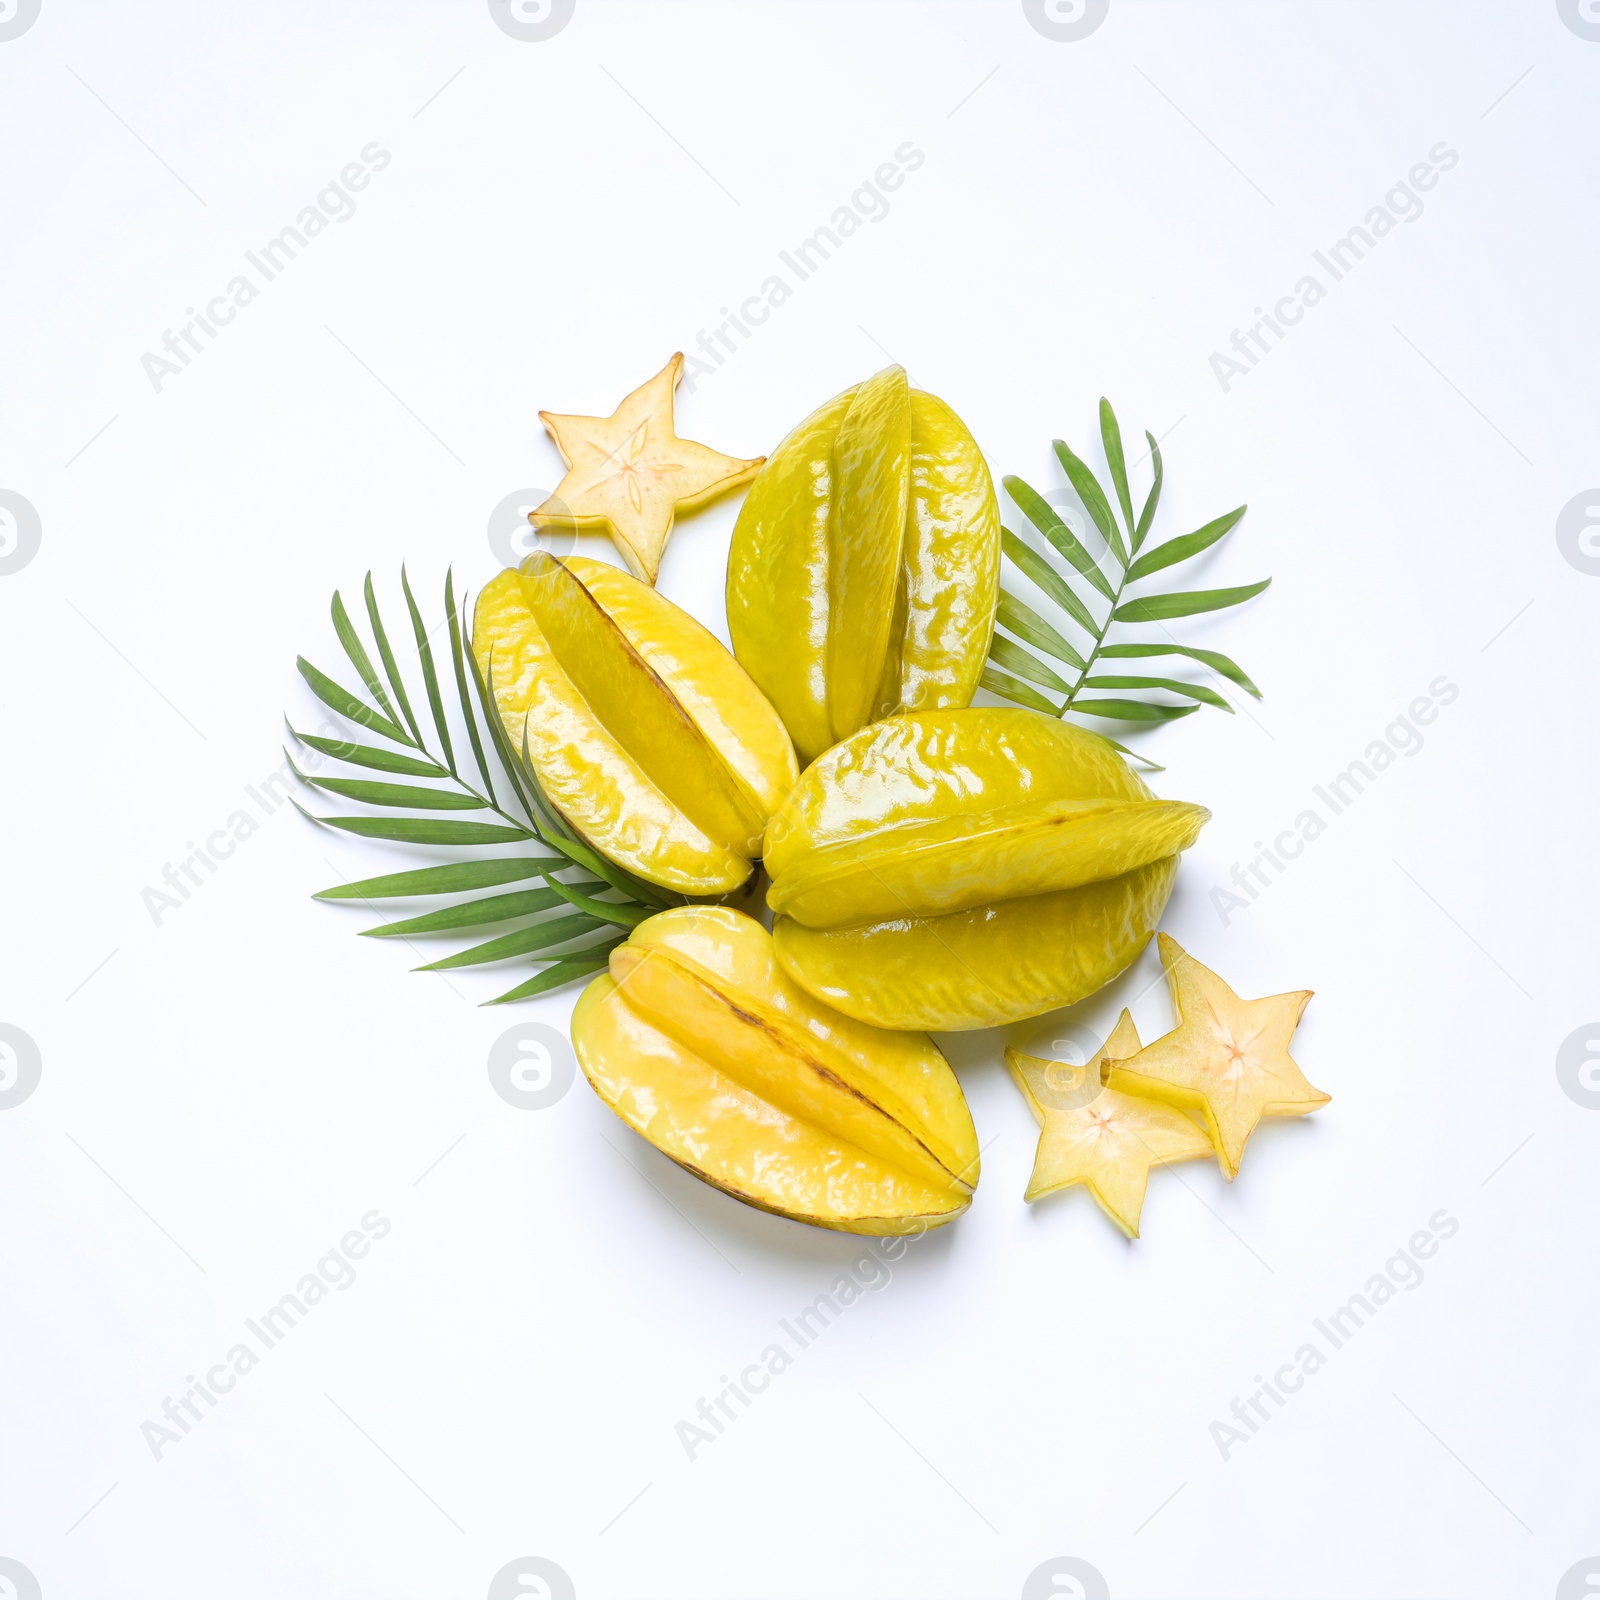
x=1227 y=1060
x=1109 y=1144
x=629 y=474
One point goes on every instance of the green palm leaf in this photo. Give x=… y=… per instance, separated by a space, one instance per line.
x=397 y=796
x=1029 y=561
x=541 y=936
x=453 y=878
x=1111 y=440
x=1175 y=685
x=366 y=755
x=623 y=916
x=471 y=914
x=1176 y=550
x=421 y=830
x=1027 y=624
x=359 y=658
x=1163 y=607
x=1148 y=514
x=1047 y=520
x=1026 y=665
x=1093 y=497
x=341 y=700
x=560 y=972
x=461 y=683
x=1014 y=689
x=593 y=895
x=430 y=678
x=1212 y=658
x=386 y=655
x=1019 y=674
x=1132 y=710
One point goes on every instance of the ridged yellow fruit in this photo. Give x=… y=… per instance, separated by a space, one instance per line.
x=864 y=568
x=699 y=1042
x=960 y=869
x=647 y=736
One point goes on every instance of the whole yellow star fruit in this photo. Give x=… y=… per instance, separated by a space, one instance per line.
x=698 y=1040
x=864 y=568
x=959 y=869
x=643 y=731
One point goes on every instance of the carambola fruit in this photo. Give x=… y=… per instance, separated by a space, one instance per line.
x=698 y=1040
x=629 y=474
x=864 y=568
x=645 y=734
x=1101 y=1137
x=960 y=869
x=1227 y=1060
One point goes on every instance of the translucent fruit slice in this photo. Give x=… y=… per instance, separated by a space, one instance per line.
x=697 y=1040
x=1227 y=1060
x=1109 y=1142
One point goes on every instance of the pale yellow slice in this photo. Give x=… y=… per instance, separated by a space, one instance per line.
x=1227 y=1060
x=1109 y=1143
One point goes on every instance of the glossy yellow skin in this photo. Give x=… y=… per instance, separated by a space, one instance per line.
x=697 y=1039
x=865 y=564
x=986 y=966
x=959 y=869
x=645 y=733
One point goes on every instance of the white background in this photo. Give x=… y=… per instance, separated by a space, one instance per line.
x=224 y=1094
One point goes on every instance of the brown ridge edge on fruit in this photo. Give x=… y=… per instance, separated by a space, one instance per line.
x=694 y=728
x=608 y=621
x=790 y=1047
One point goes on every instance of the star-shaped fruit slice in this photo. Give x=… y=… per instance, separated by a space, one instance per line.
x=629 y=474
x=1227 y=1060
x=1109 y=1142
